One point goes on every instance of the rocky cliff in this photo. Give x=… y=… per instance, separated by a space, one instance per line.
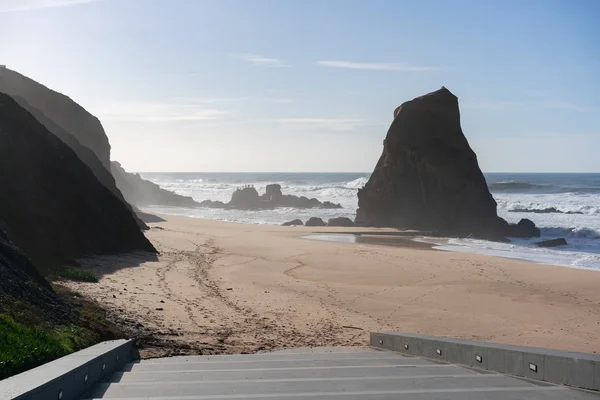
x=140 y=192
x=428 y=176
x=56 y=111
x=52 y=206
x=61 y=110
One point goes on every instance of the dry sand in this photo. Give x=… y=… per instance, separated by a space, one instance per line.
x=220 y=287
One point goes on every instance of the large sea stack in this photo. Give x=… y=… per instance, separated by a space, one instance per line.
x=428 y=177
x=52 y=206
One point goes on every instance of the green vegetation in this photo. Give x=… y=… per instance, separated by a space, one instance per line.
x=28 y=338
x=77 y=274
x=25 y=347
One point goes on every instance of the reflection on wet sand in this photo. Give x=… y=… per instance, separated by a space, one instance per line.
x=382 y=240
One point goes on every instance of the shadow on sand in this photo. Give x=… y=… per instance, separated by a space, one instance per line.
x=101 y=265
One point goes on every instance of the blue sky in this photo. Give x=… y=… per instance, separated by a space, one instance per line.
x=278 y=85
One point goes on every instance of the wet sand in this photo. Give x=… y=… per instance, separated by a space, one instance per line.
x=220 y=287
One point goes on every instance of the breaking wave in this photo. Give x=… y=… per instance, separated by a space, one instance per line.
x=563 y=205
x=357 y=183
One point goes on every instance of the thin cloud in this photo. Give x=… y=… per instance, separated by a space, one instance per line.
x=376 y=66
x=29 y=5
x=260 y=60
x=156 y=112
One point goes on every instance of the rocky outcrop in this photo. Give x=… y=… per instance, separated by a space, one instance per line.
x=315 y=221
x=247 y=198
x=141 y=193
x=428 y=177
x=69 y=116
x=213 y=204
x=52 y=206
x=273 y=192
x=524 y=229
x=340 y=221
x=295 y=222
x=552 y=243
x=66 y=119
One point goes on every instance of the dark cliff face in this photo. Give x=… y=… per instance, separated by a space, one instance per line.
x=57 y=107
x=61 y=110
x=428 y=176
x=52 y=206
x=21 y=282
x=83 y=133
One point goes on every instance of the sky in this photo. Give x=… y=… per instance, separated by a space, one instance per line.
x=311 y=86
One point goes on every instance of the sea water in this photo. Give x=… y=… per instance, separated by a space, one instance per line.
x=562 y=205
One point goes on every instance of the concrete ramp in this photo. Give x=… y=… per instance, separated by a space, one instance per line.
x=348 y=374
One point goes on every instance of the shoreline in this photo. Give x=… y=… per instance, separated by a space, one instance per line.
x=560 y=256
x=221 y=287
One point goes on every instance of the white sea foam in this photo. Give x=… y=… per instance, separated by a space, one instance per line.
x=357 y=183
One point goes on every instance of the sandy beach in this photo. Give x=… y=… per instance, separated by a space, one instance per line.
x=220 y=287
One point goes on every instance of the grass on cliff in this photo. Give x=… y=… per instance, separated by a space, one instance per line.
x=28 y=339
x=24 y=347
x=77 y=274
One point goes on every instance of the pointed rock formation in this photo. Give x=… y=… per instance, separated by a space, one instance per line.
x=428 y=177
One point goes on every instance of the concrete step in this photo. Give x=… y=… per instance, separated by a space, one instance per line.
x=332 y=375
x=547 y=393
x=290 y=362
x=323 y=386
x=291 y=373
x=373 y=354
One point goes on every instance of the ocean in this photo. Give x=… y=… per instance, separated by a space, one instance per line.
x=562 y=205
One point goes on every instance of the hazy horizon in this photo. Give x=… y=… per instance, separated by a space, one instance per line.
x=234 y=86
